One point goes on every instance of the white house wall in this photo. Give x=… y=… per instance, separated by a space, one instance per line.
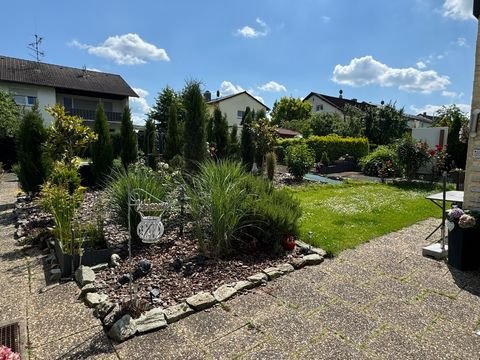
x=324 y=106
x=45 y=96
x=232 y=105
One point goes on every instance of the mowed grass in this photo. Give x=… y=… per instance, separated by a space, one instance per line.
x=342 y=217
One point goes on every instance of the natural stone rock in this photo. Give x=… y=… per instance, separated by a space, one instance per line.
x=99 y=267
x=285 y=268
x=258 y=278
x=151 y=320
x=318 y=251
x=224 y=292
x=243 y=285
x=89 y=288
x=109 y=319
x=114 y=260
x=142 y=268
x=313 y=259
x=273 y=272
x=93 y=299
x=84 y=275
x=298 y=263
x=124 y=279
x=103 y=309
x=177 y=312
x=308 y=249
x=123 y=329
x=201 y=301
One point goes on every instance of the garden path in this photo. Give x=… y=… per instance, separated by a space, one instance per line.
x=382 y=300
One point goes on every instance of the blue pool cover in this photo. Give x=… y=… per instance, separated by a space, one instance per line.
x=322 y=179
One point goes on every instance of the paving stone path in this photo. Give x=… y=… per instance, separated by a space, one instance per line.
x=382 y=300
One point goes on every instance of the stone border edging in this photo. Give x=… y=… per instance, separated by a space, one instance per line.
x=158 y=318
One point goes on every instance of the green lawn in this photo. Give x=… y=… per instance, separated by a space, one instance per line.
x=341 y=217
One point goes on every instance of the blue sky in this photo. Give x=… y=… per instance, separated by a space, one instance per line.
x=417 y=53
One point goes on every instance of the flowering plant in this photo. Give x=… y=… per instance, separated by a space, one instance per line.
x=467 y=221
x=7 y=354
x=439 y=157
x=454 y=214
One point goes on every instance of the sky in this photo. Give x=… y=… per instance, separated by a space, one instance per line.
x=418 y=54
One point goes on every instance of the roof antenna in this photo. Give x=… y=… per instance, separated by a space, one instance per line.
x=84 y=71
x=34 y=47
x=341 y=94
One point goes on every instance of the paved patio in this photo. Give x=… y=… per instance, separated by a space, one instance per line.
x=382 y=300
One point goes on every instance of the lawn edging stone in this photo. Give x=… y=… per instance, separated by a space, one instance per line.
x=159 y=318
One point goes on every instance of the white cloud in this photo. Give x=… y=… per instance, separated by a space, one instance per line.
x=273 y=86
x=368 y=71
x=127 y=49
x=452 y=94
x=458 y=9
x=93 y=69
x=228 y=88
x=432 y=109
x=326 y=19
x=139 y=106
x=250 y=32
x=462 y=42
x=421 y=65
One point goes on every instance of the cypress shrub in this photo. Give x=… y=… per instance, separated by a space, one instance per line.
x=102 y=148
x=247 y=147
x=32 y=167
x=150 y=143
x=172 y=140
x=128 y=153
x=220 y=132
x=271 y=163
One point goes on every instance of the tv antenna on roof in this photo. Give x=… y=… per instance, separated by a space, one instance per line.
x=35 y=48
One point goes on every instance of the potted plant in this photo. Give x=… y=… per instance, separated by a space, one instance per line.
x=463 y=239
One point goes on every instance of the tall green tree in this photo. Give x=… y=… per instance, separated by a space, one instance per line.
x=290 y=108
x=102 y=148
x=9 y=115
x=195 y=149
x=209 y=130
x=32 y=167
x=173 y=145
x=264 y=135
x=322 y=124
x=128 y=153
x=247 y=146
x=233 y=148
x=220 y=132
x=454 y=119
x=149 y=145
x=159 y=112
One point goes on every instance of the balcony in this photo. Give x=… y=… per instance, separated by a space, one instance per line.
x=90 y=114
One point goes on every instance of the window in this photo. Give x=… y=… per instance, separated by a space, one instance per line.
x=25 y=100
x=68 y=103
x=240 y=114
x=319 y=107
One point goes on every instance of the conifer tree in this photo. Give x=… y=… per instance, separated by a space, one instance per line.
x=247 y=146
x=128 y=153
x=220 y=132
x=195 y=146
x=172 y=142
x=102 y=149
x=150 y=143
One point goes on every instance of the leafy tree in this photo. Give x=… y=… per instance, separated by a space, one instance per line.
x=324 y=123
x=300 y=158
x=173 y=145
x=289 y=108
x=391 y=124
x=195 y=118
x=128 y=153
x=247 y=146
x=352 y=124
x=264 y=135
x=302 y=126
x=32 y=164
x=102 y=148
x=150 y=143
x=9 y=115
x=220 y=132
x=67 y=136
x=454 y=119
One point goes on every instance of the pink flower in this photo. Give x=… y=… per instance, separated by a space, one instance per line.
x=7 y=354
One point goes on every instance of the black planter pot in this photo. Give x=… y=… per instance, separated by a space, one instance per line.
x=464 y=248
x=90 y=257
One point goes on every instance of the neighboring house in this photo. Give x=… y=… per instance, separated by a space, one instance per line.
x=419 y=121
x=234 y=105
x=331 y=104
x=78 y=90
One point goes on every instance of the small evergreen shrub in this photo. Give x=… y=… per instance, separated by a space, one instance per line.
x=101 y=148
x=378 y=159
x=299 y=160
x=271 y=164
x=65 y=176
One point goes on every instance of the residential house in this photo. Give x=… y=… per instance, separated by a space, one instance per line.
x=78 y=90
x=234 y=105
x=331 y=104
x=419 y=121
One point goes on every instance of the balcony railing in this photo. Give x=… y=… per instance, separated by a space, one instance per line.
x=90 y=114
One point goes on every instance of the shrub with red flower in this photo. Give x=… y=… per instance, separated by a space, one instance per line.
x=439 y=157
x=7 y=354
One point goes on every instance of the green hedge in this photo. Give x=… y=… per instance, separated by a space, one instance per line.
x=334 y=145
